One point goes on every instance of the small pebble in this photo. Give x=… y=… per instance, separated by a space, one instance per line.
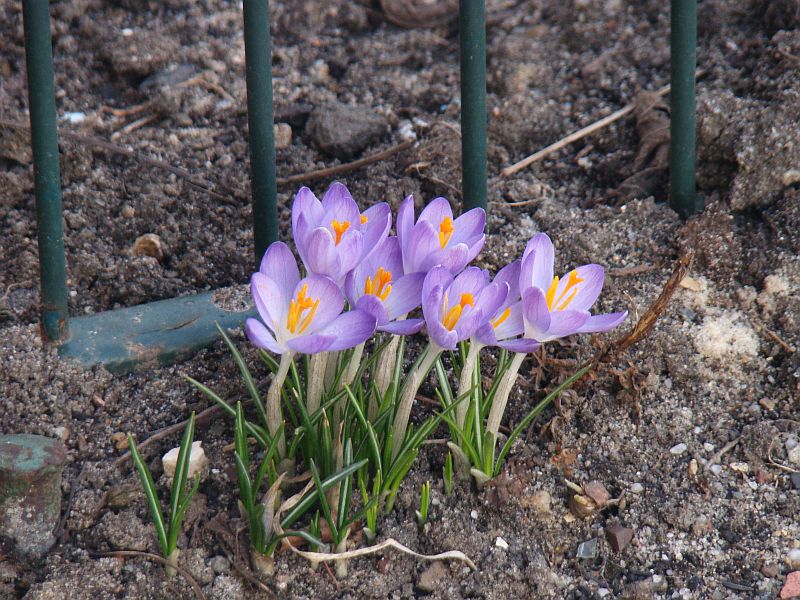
x=283 y=135
x=603 y=592
x=473 y=514
x=753 y=485
x=740 y=467
x=220 y=565
x=791 y=443
x=796 y=480
x=128 y=211
x=791 y=589
x=501 y=543
x=75 y=118
x=149 y=244
x=587 y=549
x=637 y=488
x=793 y=559
x=678 y=448
x=120 y=440
x=708 y=447
x=794 y=455
x=716 y=469
x=618 y=537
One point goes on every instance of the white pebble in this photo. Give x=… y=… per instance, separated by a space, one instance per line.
x=75 y=118
x=678 y=448
x=708 y=447
x=474 y=514
x=127 y=32
x=501 y=543
x=197 y=460
x=603 y=592
x=794 y=455
x=753 y=485
x=791 y=443
x=716 y=469
x=637 y=488
x=793 y=558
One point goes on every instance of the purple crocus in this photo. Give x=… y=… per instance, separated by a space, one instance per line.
x=333 y=236
x=301 y=315
x=379 y=286
x=555 y=307
x=507 y=324
x=436 y=238
x=454 y=308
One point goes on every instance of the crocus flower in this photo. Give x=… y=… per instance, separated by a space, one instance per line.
x=301 y=315
x=555 y=307
x=507 y=324
x=333 y=236
x=454 y=308
x=436 y=238
x=379 y=286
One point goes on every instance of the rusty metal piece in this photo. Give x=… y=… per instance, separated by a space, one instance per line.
x=30 y=492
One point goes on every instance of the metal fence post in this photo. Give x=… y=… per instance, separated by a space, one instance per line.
x=47 y=175
x=472 y=32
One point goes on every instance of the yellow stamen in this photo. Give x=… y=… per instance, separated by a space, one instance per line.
x=297 y=309
x=454 y=314
x=501 y=319
x=339 y=229
x=567 y=295
x=446 y=230
x=363 y=219
x=381 y=285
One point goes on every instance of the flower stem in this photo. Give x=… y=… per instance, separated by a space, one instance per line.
x=316 y=381
x=384 y=367
x=352 y=367
x=465 y=381
x=408 y=393
x=274 y=417
x=501 y=396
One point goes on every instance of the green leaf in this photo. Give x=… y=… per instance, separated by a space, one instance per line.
x=249 y=383
x=323 y=501
x=179 y=481
x=152 y=496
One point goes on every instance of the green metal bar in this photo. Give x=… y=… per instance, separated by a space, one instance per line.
x=149 y=335
x=682 y=155
x=472 y=32
x=47 y=175
x=260 y=122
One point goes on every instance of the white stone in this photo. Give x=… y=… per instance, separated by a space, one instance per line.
x=197 y=460
x=474 y=514
x=637 y=488
x=501 y=543
x=603 y=592
x=753 y=485
x=793 y=558
x=794 y=455
x=716 y=469
x=678 y=448
x=708 y=447
x=75 y=118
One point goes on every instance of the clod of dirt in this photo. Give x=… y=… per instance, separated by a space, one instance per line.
x=283 y=135
x=727 y=336
x=139 y=52
x=432 y=577
x=149 y=244
x=595 y=497
x=344 y=131
x=419 y=13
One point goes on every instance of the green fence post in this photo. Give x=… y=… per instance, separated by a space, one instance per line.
x=682 y=153
x=47 y=175
x=472 y=32
x=260 y=123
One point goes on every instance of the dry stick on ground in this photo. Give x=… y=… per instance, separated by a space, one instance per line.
x=155 y=557
x=581 y=133
x=230 y=198
x=346 y=167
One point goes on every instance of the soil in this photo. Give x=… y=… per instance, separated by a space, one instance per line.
x=690 y=428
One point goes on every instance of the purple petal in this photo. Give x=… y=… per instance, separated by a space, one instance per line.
x=339 y=205
x=349 y=249
x=468 y=323
x=405 y=222
x=371 y=304
x=441 y=336
x=566 y=322
x=513 y=325
x=456 y=257
x=403 y=327
x=260 y=336
x=270 y=303
x=422 y=250
x=352 y=290
x=321 y=255
x=406 y=295
x=536 y=313
x=280 y=266
x=375 y=230
x=469 y=227
x=350 y=329
x=537 y=263
x=491 y=298
x=471 y=281
x=598 y=323
x=331 y=301
x=485 y=335
x=436 y=281
x=437 y=210
x=306 y=204
x=523 y=345
x=510 y=275
x=588 y=290
x=301 y=234
x=313 y=343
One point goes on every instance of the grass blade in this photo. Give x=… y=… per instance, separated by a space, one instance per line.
x=152 y=496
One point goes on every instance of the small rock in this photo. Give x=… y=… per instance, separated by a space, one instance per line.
x=501 y=543
x=603 y=592
x=791 y=589
x=770 y=570
x=795 y=477
x=597 y=492
x=740 y=467
x=344 y=131
x=791 y=177
x=637 y=488
x=618 y=537
x=473 y=514
x=794 y=455
x=283 y=135
x=127 y=211
x=197 y=460
x=430 y=579
x=587 y=549
x=716 y=469
x=708 y=447
x=791 y=443
x=123 y=495
x=693 y=468
x=678 y=449
x=120 y=440
x=793 y=559
x=149 y=244
x=538 y=501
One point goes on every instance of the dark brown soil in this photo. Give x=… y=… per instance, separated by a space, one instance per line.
x=722 y=365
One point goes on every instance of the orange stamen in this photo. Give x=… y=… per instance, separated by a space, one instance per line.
x=381 y=285
x=363 y=219
x=297 y=309
x=339 y=229
x=454 y=314
x=567 y=295
x=501 y=319
x=446 y=230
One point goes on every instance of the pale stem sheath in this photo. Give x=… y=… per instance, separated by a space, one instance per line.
x=274 y=417
x=407 y=395
x=316 y=380
x=501 y=396
x=465 y=382
x=352 y=367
